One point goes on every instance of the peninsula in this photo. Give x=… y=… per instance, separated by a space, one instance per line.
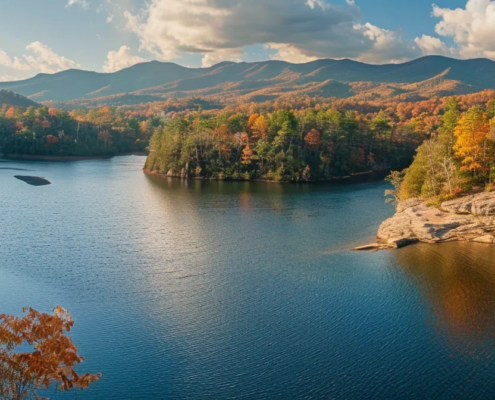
x=447 y=194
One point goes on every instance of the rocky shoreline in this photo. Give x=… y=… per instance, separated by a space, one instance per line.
x=469 y=218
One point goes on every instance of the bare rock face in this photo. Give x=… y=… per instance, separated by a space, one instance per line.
x=469 y=218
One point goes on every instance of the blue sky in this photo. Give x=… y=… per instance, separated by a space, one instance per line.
x=107 y=35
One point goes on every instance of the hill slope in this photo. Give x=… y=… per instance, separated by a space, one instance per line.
x=13 y=99
x=229 y=82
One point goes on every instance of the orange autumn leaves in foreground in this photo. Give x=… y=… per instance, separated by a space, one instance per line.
x=36 y=354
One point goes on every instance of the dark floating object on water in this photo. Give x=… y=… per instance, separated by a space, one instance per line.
x=33 y=180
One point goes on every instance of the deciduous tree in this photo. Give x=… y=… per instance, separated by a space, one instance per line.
x=37 y=354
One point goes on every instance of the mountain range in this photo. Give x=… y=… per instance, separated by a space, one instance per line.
x=230 y=82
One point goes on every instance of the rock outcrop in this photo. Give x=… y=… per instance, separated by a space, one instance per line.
x=469 y=218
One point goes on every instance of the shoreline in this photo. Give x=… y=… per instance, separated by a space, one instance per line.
x=360 y=177
x=26 y=157
x=470 y=218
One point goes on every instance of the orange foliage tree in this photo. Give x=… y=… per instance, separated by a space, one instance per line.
x=50 y=360
x=247 y=154
x=472 y=135
x=10 y=113
x=312 y=140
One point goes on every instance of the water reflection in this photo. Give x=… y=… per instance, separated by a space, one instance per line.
x=458 y=281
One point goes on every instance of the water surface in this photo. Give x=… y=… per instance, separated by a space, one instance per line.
x=192 y=289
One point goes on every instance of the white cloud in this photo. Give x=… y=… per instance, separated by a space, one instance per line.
x=218 y=56
x=320 y=3
x=5 y=59
x=432 y=46
x=109 y=19
x=472 y=28
x=123 y=58
x=298 y=29
x=286 y=52
x=15 y=63
x=83 y=3
x=42 y=59
x=46 y=60
x=388 y=46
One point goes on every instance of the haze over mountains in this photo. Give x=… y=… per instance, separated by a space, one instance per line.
x=230 y=82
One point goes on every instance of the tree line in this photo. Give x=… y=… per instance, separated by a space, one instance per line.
x=285 y=145
x=457 y=158
x=56 y=132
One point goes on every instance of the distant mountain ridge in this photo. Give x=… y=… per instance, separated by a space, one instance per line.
x=229 y=82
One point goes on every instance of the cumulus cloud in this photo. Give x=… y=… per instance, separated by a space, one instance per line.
x=387 y=46
x=123 y=58
x=46 y=60
x=432 y=46
x=218 y=56
x=299 y=30
x=14 y=63
x=286 y=52
x=83 y=3
x=472 y=28
x=42 y=59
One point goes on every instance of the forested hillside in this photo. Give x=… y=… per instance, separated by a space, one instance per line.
x=54 y=132
x=302 y=138
x=457 y=158
x=13 y=99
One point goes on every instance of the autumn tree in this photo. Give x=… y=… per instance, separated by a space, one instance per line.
x=247 y=155
x=312 y=140
x=259 y=128
x=36 y=354
x=472 y=135
x=10 y=113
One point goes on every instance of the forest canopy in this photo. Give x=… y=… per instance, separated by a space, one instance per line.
x=299 y=139
x=459 y=156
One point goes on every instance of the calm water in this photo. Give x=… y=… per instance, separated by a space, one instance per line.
x=238 y=290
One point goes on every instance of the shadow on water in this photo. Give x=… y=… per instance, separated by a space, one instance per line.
x=15 y=169
x=458 y=282
x=201 y=186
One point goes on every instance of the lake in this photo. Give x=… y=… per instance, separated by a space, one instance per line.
x=213 y=290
